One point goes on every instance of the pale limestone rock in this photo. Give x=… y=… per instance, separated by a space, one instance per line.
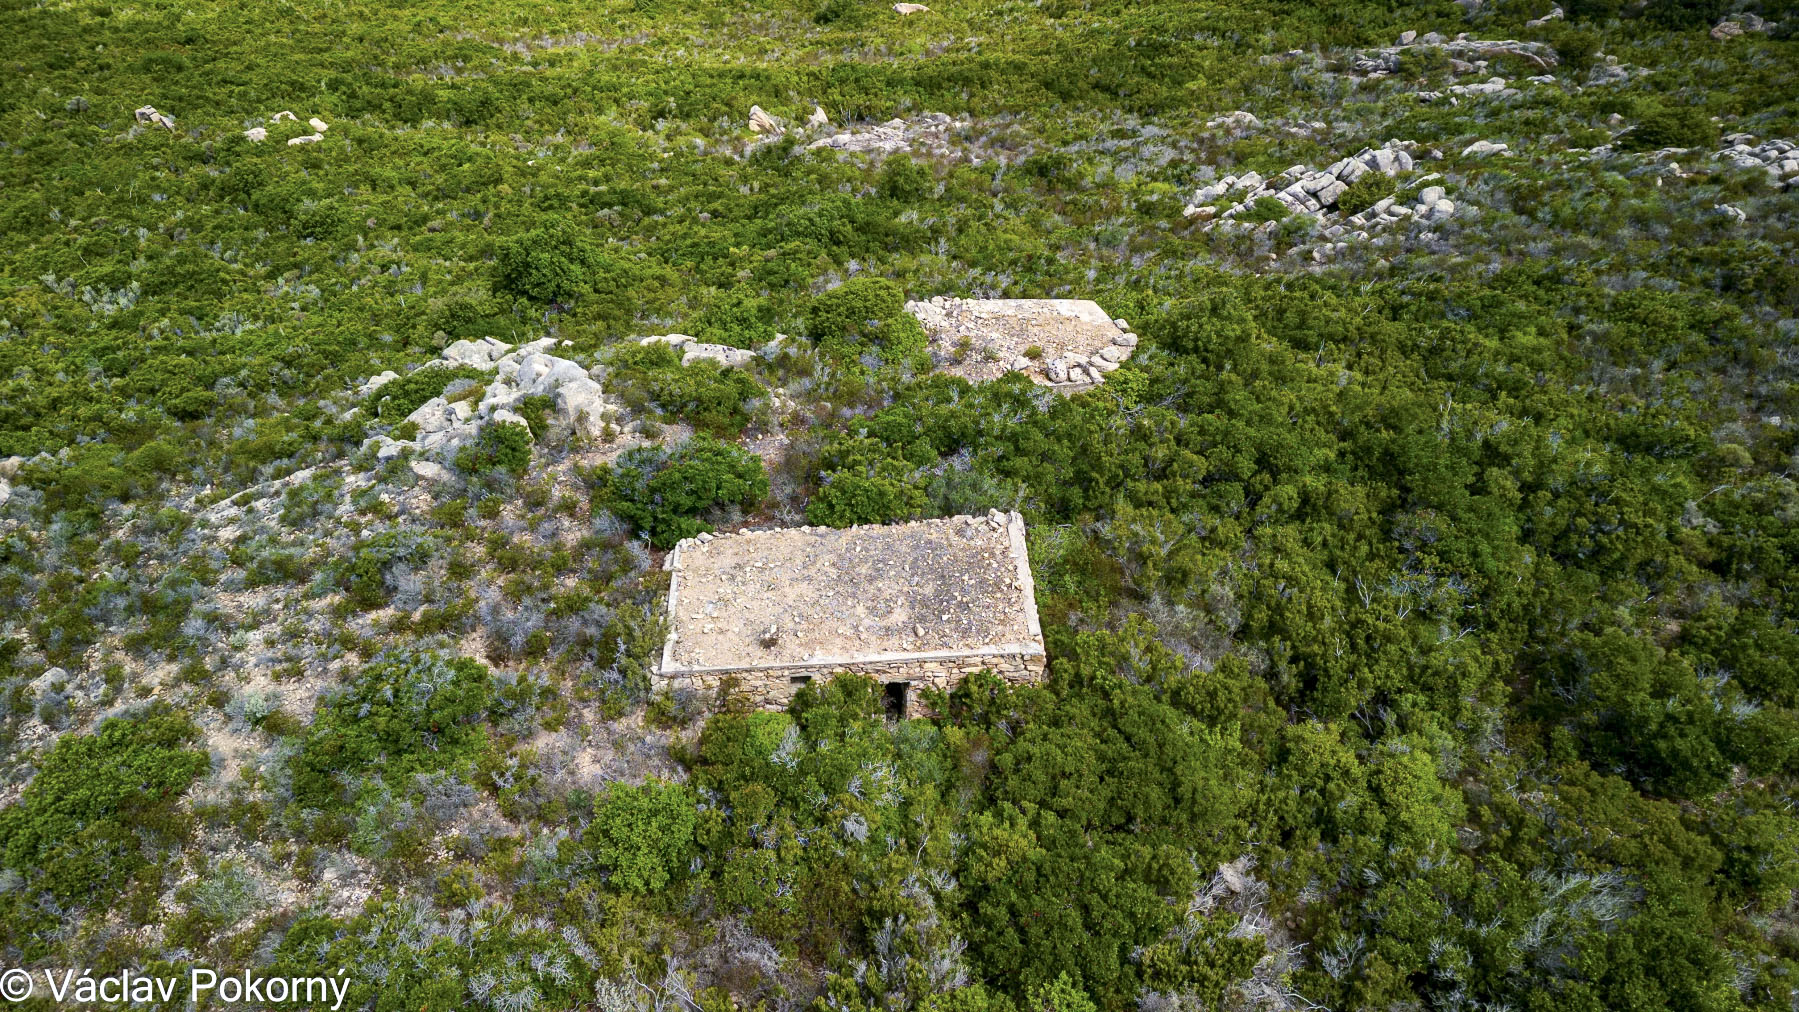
x=762 y=122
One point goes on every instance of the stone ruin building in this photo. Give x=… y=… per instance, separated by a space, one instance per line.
x=914 y=606
x=1067 y=344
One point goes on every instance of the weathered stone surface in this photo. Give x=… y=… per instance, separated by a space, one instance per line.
x=1000 y=331
x=924 y=604
x=723 y=354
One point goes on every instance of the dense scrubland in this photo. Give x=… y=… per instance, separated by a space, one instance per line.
x=1418 y=610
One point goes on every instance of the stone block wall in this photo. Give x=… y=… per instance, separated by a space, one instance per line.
x=773 y=688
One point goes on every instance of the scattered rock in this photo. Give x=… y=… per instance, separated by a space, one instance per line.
x=318 y=126
x=1778 y=157
x=148 y=114
x=1466 y=55
x=1724 y=31
x=930 y=132
x=905 y=9
x=305 y=139
x=1482 y=148
x=284 y=114
x=723 y=354
x=1555 y=14
x=580 y=405
x=431 y=470
x=1239 y=120
x=257 y=134
x=983 y=339
x=818 y=118
x=762 y=122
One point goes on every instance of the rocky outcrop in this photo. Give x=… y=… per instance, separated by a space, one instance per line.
x=1301 y=188
x=692 y=350
x=148 y=115
x=930 y=133
x=1466 y=55
x=1778 y=157
x=579 y=405
x=762 y=123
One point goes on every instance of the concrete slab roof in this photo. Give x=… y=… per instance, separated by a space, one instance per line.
x=819 y=595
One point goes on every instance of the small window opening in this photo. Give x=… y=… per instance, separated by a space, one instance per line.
x=797 y=682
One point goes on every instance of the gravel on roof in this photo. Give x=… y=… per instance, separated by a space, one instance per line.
x=824 y=594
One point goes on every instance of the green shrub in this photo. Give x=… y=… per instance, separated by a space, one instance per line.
x=642 y=836
x=848 y=499
x=499 y=446
x=1365 y=192
x=1266 y=209
x=86 y=823
x=1684 y=127
x=362 y=573
x=397 y=398
x=905 y=180
x=712 y=398
x=865 y=314
x=405 y=713
x=551 y=263
x=739 y=319
x=663 y=493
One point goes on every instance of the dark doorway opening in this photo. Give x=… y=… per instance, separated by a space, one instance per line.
x=893 y=699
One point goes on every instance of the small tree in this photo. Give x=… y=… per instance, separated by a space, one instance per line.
x=663 y=493
x=552 y=263
x=865 y=314
x=642 y=835
x=500 y=446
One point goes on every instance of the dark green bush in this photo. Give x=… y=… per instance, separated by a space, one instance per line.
x=1365 y=192
x=87 y=823
x=738 y=318
x=404 y=713
x=905 y=180
x=397 y=398
x=362 y=573
x=848 y=499
x=1684 y=127
x=499 y=446
x=550 y=263
x=642 y=837
x=864 y=314
x=664 y=493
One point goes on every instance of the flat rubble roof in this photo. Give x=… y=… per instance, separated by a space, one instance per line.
x=1079 y=341
x=953 y=586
